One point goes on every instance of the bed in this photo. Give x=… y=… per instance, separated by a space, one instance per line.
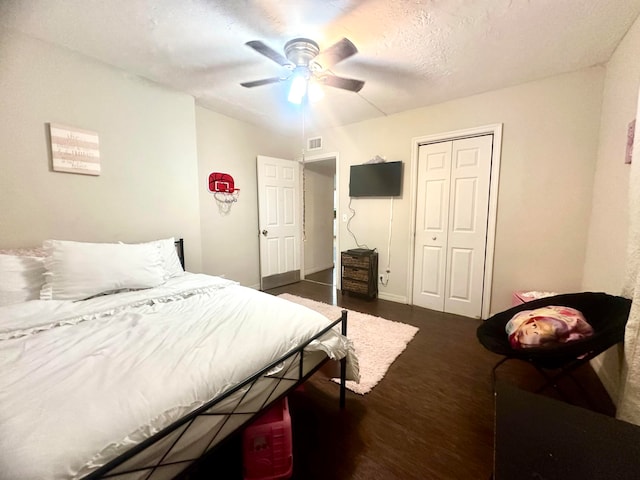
x=127 y=367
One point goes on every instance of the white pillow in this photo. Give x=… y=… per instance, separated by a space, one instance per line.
x=78 y=270
x=170 y=257
x=21 y=278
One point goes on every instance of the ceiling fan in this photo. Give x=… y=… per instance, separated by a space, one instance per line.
x=305 y=63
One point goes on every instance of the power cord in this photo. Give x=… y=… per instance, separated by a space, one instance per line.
x=388 y=270
x=353 y=214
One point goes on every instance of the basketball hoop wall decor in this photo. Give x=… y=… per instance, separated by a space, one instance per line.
x=224 y=191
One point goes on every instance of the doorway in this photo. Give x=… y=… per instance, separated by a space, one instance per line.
x=454 y=203
x=320 y=229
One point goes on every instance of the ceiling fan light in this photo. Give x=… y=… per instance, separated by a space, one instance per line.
x=298 y=89
x=315 y=92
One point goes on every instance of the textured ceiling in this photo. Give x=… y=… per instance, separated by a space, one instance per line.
x=411 y=53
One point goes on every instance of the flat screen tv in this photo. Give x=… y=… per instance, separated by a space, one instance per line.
x=376 y=180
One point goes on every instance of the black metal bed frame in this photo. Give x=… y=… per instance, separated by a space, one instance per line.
x=283 y=382
x=180 y=250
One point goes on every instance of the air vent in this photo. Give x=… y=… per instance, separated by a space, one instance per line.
x=314 y=143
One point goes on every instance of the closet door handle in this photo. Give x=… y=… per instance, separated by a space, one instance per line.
x=434 y=238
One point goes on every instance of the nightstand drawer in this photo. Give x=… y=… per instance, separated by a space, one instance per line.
x=355 y=286
x=361 y=274
x=361 y=261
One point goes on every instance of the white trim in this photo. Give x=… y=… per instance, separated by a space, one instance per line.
x=496 y=131
x=392 y=297
x=318 y=158
x=301 y=218
x=609 y=381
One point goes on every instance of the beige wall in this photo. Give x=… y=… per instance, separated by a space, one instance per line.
x=609 y=221
x=147 y=147
x=230 y=243
x=549 y=150
x=606 y=246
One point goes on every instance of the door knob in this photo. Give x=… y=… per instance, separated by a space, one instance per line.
x=264 y=232
x=434 y=238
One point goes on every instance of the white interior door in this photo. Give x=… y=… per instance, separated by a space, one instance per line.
x=432 y=216
x=467 y=236
x=451 y=225
x=279 y=221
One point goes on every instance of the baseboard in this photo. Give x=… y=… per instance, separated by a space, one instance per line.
x=609 y=382
x=388 y=296
x=311 y=271
x=392 y=298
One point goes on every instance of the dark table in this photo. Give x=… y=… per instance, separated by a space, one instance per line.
x=539 y=438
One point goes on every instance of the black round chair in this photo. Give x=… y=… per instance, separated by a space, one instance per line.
x=607 y=315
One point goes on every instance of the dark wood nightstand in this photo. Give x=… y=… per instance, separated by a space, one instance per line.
x=360 y=272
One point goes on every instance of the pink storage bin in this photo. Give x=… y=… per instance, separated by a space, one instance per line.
x=522 y=296
x=267 y=445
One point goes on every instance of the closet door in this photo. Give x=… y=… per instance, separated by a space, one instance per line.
x=467 y=235
x=451 y=225
x=432 y=217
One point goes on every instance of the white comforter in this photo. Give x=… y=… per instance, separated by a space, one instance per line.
x=80 y=382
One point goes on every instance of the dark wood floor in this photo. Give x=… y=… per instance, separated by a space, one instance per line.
x=431 y=417
x=324 y=277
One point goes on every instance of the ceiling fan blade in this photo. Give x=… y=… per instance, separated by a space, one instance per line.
x=268 y=52
x=335 y=53
x=344 y=83
x=264 y=81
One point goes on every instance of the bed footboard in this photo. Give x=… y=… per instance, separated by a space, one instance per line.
x=171 y=451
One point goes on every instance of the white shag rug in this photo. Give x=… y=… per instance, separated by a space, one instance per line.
x=377 y=342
